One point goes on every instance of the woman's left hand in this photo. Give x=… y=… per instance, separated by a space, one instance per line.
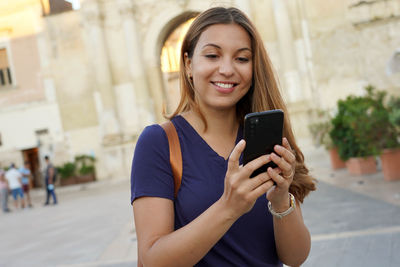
x=282 y=175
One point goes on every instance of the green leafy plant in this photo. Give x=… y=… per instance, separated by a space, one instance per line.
x=85 y=164
x=365 y=125
x=86 y=170
x=394 y=112
x=355 y=126
x=66 y=170
x=321 y=128
x=385 y=133
x=82 y=165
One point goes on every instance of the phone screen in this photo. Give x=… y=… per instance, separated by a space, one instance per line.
x=262 y=131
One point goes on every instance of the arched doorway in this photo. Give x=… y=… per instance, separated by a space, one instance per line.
x=170 y=58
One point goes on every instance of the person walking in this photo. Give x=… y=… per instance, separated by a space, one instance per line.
x=50 y=176
x=14 y=177
x=4 y=188
x=26 y=181
x=220 y=216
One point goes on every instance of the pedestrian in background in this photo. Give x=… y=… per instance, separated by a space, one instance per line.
x=220 y=217
x=50 y=177
x=26 y=181
x=14 y=178
x=4 y=188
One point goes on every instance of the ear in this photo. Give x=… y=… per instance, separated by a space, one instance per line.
x=188 y=65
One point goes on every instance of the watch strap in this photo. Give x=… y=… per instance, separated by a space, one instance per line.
x=280 y=215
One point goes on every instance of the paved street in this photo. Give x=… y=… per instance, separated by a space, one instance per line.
x=354 y=221
x=91 y=226
x=349 y=229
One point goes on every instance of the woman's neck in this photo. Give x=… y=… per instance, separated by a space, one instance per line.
x=222 y=123
x=221 y=130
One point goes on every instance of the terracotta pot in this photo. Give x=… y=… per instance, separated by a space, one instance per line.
x=81 y=179
x=68 y=181
x=336 y=161
x=390 y=159
x=360 y=166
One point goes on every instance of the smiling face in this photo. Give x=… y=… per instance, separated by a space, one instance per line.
x=221 y=66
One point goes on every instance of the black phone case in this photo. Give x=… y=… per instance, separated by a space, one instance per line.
x=262 y=131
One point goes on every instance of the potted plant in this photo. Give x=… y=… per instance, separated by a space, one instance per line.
x=390 y=155
x=67 y=173
x=85 y=167
x=354 y=133
x=320 y=133
x=81 y=170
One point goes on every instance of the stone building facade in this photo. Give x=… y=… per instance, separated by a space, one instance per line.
x=87 y=81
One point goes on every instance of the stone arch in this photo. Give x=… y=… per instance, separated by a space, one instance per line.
x=170 y=59
x=172 y=25
x=157 y=33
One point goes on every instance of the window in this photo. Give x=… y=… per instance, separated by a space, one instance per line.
x=52 y=7
x=42 y=136
x=5 y=71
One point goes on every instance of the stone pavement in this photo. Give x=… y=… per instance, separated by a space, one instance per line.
x=354 y=221
x=91 y=226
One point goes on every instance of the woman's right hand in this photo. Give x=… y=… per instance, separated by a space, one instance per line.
x=161 y=245
x=241 y=192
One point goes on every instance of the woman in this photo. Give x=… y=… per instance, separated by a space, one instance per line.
x=220 y=216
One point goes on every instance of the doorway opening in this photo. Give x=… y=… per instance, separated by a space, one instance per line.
x=170 y=58
x=32 y=156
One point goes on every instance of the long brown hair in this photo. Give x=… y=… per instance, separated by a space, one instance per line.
x=263 y=95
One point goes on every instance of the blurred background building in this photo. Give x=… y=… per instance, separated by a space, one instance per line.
x=85 y=77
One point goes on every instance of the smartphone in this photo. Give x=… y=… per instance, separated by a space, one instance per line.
x=262 y=131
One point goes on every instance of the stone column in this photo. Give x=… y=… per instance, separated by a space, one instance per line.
x=312 y=86
x=157 y=90
x=128 y=80
x=134 y=50
x=287 y=52
x=45 y=63
x=92 y=19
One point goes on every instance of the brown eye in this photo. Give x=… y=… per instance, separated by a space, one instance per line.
x=212 y=56
x=243 y=59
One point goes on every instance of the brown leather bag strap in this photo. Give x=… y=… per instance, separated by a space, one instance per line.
x=175 y=154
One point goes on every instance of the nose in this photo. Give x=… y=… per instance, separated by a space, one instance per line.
x=226 y=67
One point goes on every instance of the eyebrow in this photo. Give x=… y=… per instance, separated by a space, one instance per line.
x=218 y=47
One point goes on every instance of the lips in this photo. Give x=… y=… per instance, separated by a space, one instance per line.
x=225 y=87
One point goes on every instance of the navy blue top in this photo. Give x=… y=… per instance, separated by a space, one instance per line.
x=249 y=242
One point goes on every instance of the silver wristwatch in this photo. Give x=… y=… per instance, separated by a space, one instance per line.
x=280 y=215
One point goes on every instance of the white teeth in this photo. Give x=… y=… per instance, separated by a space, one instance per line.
x=224 y=85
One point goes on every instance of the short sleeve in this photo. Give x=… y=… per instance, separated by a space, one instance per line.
x=151 y=173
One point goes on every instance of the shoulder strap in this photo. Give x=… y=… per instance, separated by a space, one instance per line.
x=175 y=154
